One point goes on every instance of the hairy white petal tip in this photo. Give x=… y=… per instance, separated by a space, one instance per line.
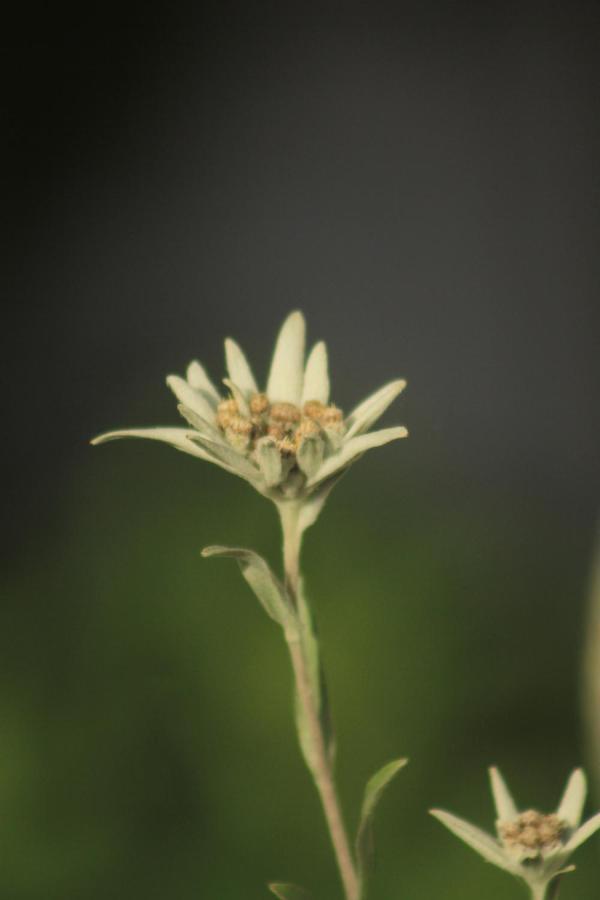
x=573 y=798
x=506 y=809
x=286 y=375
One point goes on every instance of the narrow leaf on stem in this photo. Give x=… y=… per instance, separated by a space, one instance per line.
x=374 y=789
x=312 y=506
x=269 y=590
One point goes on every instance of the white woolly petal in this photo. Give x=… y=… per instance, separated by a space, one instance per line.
x=573 y=799
x=310 y=455
x=269 y=460
x=199 y=380
x=371 y=409
x=191 y=398
x=316 y=375
x=175 y=437
x=505 y=805
x=230 y=457
x=312 y=505
x=583 y=833
x=238 y=395
x=199 y=424
x=354 y=447
x=483 y=843
x=200 y=447
x=239 y=369
x=287 y=368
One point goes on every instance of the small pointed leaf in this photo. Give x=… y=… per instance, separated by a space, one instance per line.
x=374 y=789
x=312 y=506
x=269 y=590
x=289 y=891
x=566 y=871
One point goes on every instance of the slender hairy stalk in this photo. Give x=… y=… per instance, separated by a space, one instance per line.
x=546 y=891
x=322 y=766
x=324 y=778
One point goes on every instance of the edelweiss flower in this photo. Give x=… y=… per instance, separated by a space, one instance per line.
x=289 y=441
x=530 y=845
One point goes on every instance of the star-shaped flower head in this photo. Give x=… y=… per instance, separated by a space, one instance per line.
x=531 y=845
x=288 y=441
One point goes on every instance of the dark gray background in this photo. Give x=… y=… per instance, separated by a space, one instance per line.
x=421 y=181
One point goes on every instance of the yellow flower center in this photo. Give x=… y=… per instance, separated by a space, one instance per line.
x=286 y=423
x=533 y=832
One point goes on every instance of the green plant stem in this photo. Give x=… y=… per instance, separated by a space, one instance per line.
x=322 y=769
x=545 y=891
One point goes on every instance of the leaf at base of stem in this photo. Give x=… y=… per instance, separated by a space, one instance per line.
x=289 y=891
x=374 y=790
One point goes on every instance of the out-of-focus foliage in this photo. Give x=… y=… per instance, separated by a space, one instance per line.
x=147 y=744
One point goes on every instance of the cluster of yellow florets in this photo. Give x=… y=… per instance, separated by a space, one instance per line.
x=533 y=832
x=286 y=424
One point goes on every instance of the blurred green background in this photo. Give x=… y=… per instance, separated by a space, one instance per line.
x=148 y=744
x=422 y=180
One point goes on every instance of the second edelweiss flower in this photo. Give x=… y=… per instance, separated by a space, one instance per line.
x=531 y=845
x=288 y=441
